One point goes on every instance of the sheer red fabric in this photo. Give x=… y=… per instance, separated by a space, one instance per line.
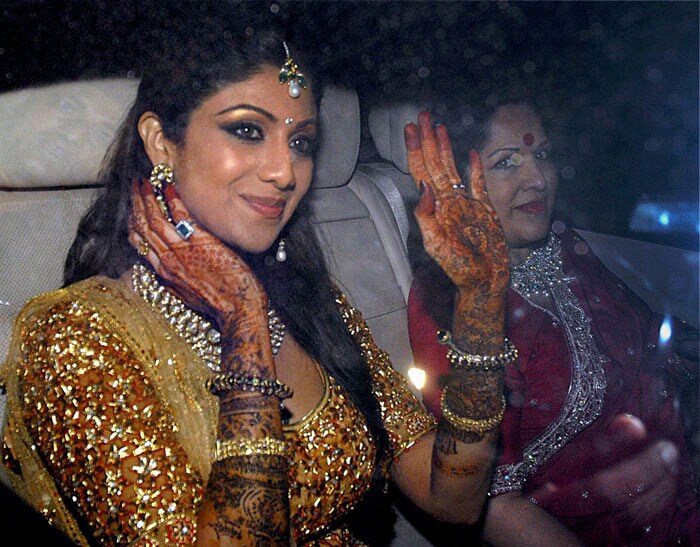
x=626 y=332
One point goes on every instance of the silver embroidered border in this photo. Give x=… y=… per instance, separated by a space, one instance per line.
x=584 y=399
x=540 y=271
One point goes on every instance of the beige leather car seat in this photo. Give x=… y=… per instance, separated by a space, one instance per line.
x=358 y=230
x=52 y=141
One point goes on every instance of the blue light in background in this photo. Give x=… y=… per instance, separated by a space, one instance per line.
x=665 y=331
x=665 y=217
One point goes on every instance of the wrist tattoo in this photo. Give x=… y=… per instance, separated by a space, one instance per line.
x=267 y=470
x=459 y=472
x=445 y=442
x=267 y=467
x=465 y=437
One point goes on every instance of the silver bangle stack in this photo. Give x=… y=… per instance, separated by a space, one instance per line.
x=461 y=359
x=463 y=427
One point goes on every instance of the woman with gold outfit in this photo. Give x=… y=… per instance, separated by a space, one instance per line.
x=199 y=379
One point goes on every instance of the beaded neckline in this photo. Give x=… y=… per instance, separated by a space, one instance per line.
x=197 y=332
x=540 y=271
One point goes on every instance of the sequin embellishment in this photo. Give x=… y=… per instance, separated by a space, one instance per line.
x=94 y=414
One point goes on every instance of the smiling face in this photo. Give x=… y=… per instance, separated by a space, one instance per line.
x=520 y=177
x=246 y=160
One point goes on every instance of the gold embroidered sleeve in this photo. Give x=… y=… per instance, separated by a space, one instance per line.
x=101 y=431
x=404 y=416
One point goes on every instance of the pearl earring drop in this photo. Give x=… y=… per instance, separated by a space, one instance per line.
x=281 y=254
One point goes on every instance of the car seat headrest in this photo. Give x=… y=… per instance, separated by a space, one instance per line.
x=386 y=123
x=340 y=137
x=57 y=135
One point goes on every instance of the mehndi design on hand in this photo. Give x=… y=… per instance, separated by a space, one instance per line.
x=210 y=277
x=460 y=228
x=213 y=280
x=463 y=235
x=461 y=232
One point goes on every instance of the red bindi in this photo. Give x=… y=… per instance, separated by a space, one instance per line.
x=528 y=139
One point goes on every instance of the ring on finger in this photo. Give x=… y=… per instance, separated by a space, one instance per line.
x=476 y=232
x=143 y=248
x=459 y=186
x=184 y=229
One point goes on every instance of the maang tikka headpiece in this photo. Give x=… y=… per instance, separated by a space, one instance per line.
x=290 y=75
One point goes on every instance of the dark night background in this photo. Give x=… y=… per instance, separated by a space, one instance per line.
x=619 y=80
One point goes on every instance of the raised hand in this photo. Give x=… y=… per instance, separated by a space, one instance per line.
x=460 y=228
x=460 y=231
x=209 y=276
x=213 y=280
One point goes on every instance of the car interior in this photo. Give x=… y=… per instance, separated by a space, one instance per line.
x=54 y=137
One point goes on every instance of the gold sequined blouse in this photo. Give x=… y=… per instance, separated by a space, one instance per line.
x=111 y=424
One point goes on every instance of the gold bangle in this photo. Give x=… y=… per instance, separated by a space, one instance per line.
x=459 y=358
x=235 y=448
x=469 y=424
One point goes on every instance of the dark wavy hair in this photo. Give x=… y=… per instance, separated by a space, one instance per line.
x=192 y=66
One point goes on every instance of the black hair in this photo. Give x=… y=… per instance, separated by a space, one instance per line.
x=469 y=123
x=192 y=65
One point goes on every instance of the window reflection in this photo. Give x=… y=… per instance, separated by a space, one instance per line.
x=618 y=83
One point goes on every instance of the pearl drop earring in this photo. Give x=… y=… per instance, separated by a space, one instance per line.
x=281 y=254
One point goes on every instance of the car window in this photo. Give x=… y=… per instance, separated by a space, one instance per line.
x=616 y=83
x=619 y=79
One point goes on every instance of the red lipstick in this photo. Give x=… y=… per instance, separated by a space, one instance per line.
x=535 y=207
x=267 y=207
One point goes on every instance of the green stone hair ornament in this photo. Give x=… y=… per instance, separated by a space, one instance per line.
x=290 y=75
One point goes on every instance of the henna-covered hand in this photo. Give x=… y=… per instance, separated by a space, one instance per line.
x=210 y=277
x=246 y=500
x=460 y=228
x=462 y=233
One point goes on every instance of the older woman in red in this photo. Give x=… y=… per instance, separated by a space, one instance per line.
x=592 y=432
